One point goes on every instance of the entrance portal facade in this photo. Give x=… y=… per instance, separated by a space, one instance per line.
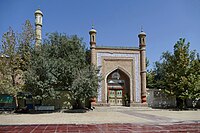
x=123 y=73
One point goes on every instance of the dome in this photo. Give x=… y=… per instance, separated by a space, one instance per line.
x=142 y=33
x=93 y=30
x=38 y=11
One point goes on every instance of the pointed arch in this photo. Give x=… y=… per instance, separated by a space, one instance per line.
x=127 y=85
x=120 y=68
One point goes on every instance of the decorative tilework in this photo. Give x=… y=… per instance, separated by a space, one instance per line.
x=137 y=71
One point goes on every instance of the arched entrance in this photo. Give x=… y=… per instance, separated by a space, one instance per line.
x=118 y=88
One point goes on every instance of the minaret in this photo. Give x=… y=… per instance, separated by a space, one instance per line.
x=38 y=27
x=92 y=44
x=142 y=45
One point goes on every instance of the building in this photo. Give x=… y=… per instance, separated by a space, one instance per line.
x=123 y=69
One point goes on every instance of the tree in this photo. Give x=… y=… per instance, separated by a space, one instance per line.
x=150 y=76
x=26 y=43
x=151 y=79
x=194 y=78
x=88 y=56
x=15 y=58
x=178 y=73
x=60 y=64
x=38 y=80
x=9 y=63
x=84 y=86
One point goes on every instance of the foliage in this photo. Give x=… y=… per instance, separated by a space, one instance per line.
x=151 y=83
x=194 y=79
x=150 y=76
x=9 y=63
x=26 y=43
x=178 y=73
x=15 y=53
x=88 y=56
x=60 y=64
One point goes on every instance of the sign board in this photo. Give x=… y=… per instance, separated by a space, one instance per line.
x=7 y=101
x=44 y=108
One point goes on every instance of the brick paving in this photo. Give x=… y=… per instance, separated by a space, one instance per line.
x=102 y=128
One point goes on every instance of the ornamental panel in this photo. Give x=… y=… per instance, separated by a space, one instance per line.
x=135 y=58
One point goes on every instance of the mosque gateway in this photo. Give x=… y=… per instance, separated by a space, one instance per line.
x=123 y=71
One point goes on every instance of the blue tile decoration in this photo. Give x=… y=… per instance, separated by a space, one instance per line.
x=135 y=57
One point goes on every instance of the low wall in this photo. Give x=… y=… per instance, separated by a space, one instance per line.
x=158 y=99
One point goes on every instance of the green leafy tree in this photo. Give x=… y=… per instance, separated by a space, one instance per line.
x=26 y=40
x=60 y=64
x=9 y=63
x=15 y=58
x=159 y=75
x=194 y=78
x=178 y=73
x=88 y=56
x=38 y=80
x=151 y=82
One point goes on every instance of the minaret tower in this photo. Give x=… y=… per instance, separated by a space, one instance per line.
x=38 y=27
x=142 y=45
x=93 y=33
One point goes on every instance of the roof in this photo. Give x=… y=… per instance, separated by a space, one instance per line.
x=142 y=33
x=118 y=47
x=38 y=11
x=93 y=30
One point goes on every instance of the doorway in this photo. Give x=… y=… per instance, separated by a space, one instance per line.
x=118 y=88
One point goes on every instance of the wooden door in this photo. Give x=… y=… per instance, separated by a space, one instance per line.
x=115 y=97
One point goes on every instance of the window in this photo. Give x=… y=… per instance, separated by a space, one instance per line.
x=40 y=19
x=93 y=38
x=116 y=75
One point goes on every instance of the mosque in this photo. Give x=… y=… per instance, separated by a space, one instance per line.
x=123 y=69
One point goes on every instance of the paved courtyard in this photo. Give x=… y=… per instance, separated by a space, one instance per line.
x=102 y=128
x=104 y=119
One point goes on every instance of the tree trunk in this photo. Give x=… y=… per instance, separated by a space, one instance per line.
x=185 y=103
x=179 y=103
x=13 y=79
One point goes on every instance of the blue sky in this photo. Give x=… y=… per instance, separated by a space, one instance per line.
x=117 y=22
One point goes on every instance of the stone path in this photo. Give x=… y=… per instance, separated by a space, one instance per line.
x=102 y=128
x=150 y=117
